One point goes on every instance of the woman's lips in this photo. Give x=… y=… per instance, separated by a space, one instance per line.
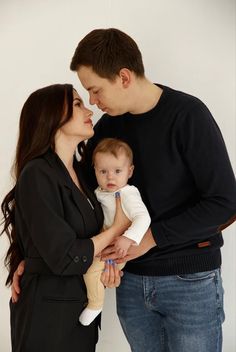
x=89 y=122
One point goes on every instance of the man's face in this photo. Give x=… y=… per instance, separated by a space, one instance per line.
x=109 y=96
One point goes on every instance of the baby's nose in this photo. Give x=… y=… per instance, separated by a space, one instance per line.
x=109 y=175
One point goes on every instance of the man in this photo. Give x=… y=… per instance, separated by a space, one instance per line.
x=171 y=297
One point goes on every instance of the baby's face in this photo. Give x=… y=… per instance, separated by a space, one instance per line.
x=112 y=173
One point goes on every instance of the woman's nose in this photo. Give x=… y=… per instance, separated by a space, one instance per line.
x=90 y=113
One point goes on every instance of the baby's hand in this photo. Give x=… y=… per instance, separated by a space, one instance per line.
x=122 y=244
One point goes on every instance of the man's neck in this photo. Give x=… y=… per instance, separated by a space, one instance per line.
x=146 y=96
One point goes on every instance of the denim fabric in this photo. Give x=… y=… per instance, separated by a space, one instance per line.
x=172 y=313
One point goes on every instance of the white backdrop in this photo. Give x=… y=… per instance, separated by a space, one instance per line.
x=186 y=44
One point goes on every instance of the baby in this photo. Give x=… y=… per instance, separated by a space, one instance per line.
x=113 y=163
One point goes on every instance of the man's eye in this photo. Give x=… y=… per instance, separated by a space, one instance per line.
x=103 y=172
x=118 y=171
x=95 y=92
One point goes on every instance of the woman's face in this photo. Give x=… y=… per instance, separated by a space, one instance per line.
x=80 y=126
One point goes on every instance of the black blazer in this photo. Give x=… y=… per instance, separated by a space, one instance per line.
x=54 y=221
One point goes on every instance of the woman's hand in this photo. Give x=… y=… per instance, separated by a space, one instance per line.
x=121 y=222
x=15 y=286
x=111 y=275
x=133 y=252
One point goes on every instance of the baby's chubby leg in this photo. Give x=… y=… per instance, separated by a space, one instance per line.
x=95 y=292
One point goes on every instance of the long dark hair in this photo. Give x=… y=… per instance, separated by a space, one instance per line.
x=43 y=113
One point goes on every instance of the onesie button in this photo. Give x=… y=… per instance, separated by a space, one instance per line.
x=76 y=259
x=84 y=258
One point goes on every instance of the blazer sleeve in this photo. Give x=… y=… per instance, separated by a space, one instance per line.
x=39 y=199
x=136 y=211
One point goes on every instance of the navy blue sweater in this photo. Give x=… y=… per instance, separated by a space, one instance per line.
x=184 y=175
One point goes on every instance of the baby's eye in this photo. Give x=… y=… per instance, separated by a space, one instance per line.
x=118 y=171
x=103 y=172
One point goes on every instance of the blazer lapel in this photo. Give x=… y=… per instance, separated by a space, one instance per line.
x=86 y=207
x=58 y=168
x=91 y=198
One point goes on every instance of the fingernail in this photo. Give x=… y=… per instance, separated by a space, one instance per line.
x=117 y=194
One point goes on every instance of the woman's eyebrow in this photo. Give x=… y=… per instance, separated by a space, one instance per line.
x=78 y=99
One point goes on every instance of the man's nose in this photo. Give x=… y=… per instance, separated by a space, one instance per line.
x=92 y=99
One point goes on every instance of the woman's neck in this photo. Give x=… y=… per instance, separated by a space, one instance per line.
x=65 y=149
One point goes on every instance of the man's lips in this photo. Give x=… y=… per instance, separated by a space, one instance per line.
x=104 y=109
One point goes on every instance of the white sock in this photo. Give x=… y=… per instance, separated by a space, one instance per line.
x=88 y=315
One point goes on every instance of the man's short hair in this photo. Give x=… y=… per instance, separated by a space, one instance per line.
x=107 y=51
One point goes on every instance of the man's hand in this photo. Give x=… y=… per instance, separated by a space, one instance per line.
x=15 y=287
x=134 y=251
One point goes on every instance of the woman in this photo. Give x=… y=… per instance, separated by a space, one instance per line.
x=53 y=222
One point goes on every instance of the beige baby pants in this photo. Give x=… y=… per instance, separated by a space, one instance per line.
x=95 y=288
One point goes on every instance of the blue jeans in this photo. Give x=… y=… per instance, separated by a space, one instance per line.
x=172 y=313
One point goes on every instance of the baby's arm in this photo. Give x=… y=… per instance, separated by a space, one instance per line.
x=122 y=244
x=136 y=211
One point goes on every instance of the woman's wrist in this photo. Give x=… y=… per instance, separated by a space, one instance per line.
x=103 y=239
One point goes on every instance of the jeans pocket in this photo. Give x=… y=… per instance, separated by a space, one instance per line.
x=204 y=275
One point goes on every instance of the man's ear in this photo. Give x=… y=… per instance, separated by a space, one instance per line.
x=131 y=170
x=126 y=77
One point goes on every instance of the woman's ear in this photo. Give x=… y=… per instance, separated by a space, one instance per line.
x=126 y=77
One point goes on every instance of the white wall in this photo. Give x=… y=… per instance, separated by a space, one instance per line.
x=187 y=44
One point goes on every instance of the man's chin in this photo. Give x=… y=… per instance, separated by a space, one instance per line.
x=112 y=113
